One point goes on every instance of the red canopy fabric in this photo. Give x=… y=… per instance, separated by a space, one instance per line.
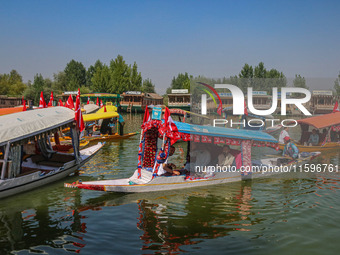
x=322 y=121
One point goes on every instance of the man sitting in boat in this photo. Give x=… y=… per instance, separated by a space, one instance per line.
x=290 y=149
x=200 y=156
x=168 y=169
x=226 y=158
x=313 y=138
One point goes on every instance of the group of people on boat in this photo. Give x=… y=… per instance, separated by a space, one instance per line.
x=313 y=138
x=200 y=155
x=105 y=127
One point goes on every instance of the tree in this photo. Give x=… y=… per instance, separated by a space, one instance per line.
x=119 y=75
x=60 y=82
x=75 y=75
x=299 y=82
x=135 y=79
x=37 y=87
x=182 y=81
x=246 y=72
x=11 y=84
x=91 y=71
x=101 y=78
x=337 y=85
x=148 y=86
x=260 y=71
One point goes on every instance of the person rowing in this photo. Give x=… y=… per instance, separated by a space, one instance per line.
x=290 y=150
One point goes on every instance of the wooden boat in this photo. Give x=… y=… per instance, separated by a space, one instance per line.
x=329 y=122
x=10 y=110
x=145 y=178
x=106 y=137
x=28 y=160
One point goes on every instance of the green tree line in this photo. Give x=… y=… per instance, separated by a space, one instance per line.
x=259 y=78
x=117 y=77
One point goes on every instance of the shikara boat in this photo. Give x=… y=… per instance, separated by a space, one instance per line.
x=10 y=110
x=28 y=160
x=329 y=122
x=104 y=115
x=145 y=178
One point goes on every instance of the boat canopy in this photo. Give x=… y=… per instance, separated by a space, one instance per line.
x=241 y=134
x=322 y=121
x=210 y=134
x=100 y=95
x=109 y=108
x=22 y=125
x=4 y=111
x=90 y=108
x=98 y=116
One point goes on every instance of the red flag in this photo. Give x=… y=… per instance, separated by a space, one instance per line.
x=23 y=100
x=97 y=101
x=42 y=103
x=88 y=100
x=146 y=115
x=69 y=102
x=105 y=109
x=50 y=103
x=336 y=107
x=245 y=108
x=78 y=114
x=101 y=103
x=24 y=108
x=168 y=121
x=60 y=103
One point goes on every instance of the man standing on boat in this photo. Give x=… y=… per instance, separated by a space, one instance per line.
x=290 y=149
x=283 y=134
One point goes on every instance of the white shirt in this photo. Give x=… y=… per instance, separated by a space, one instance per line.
x=202 y=157
x=161 y=169
x=283 y=134
x=224 y=160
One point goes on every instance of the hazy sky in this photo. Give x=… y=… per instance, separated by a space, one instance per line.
x=210 y=38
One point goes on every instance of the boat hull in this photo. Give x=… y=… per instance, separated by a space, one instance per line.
x=163 y=183
x=104 y=138
x=303 y=148
x=24 y=183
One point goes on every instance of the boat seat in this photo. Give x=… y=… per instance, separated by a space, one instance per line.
x=51 y=163
x=37 y=158
x=61 y=158
x=146 y=177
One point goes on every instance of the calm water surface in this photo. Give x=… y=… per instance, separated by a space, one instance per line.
x=270 y=216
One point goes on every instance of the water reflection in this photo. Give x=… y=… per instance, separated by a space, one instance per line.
x=270 y=214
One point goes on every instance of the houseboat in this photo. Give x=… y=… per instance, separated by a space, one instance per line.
x=135 y=101
x=322 y=102
x=180 y=99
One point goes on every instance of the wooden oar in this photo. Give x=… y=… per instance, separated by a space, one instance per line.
x=277 y=156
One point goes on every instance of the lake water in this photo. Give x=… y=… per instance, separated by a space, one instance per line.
x=268 y=216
